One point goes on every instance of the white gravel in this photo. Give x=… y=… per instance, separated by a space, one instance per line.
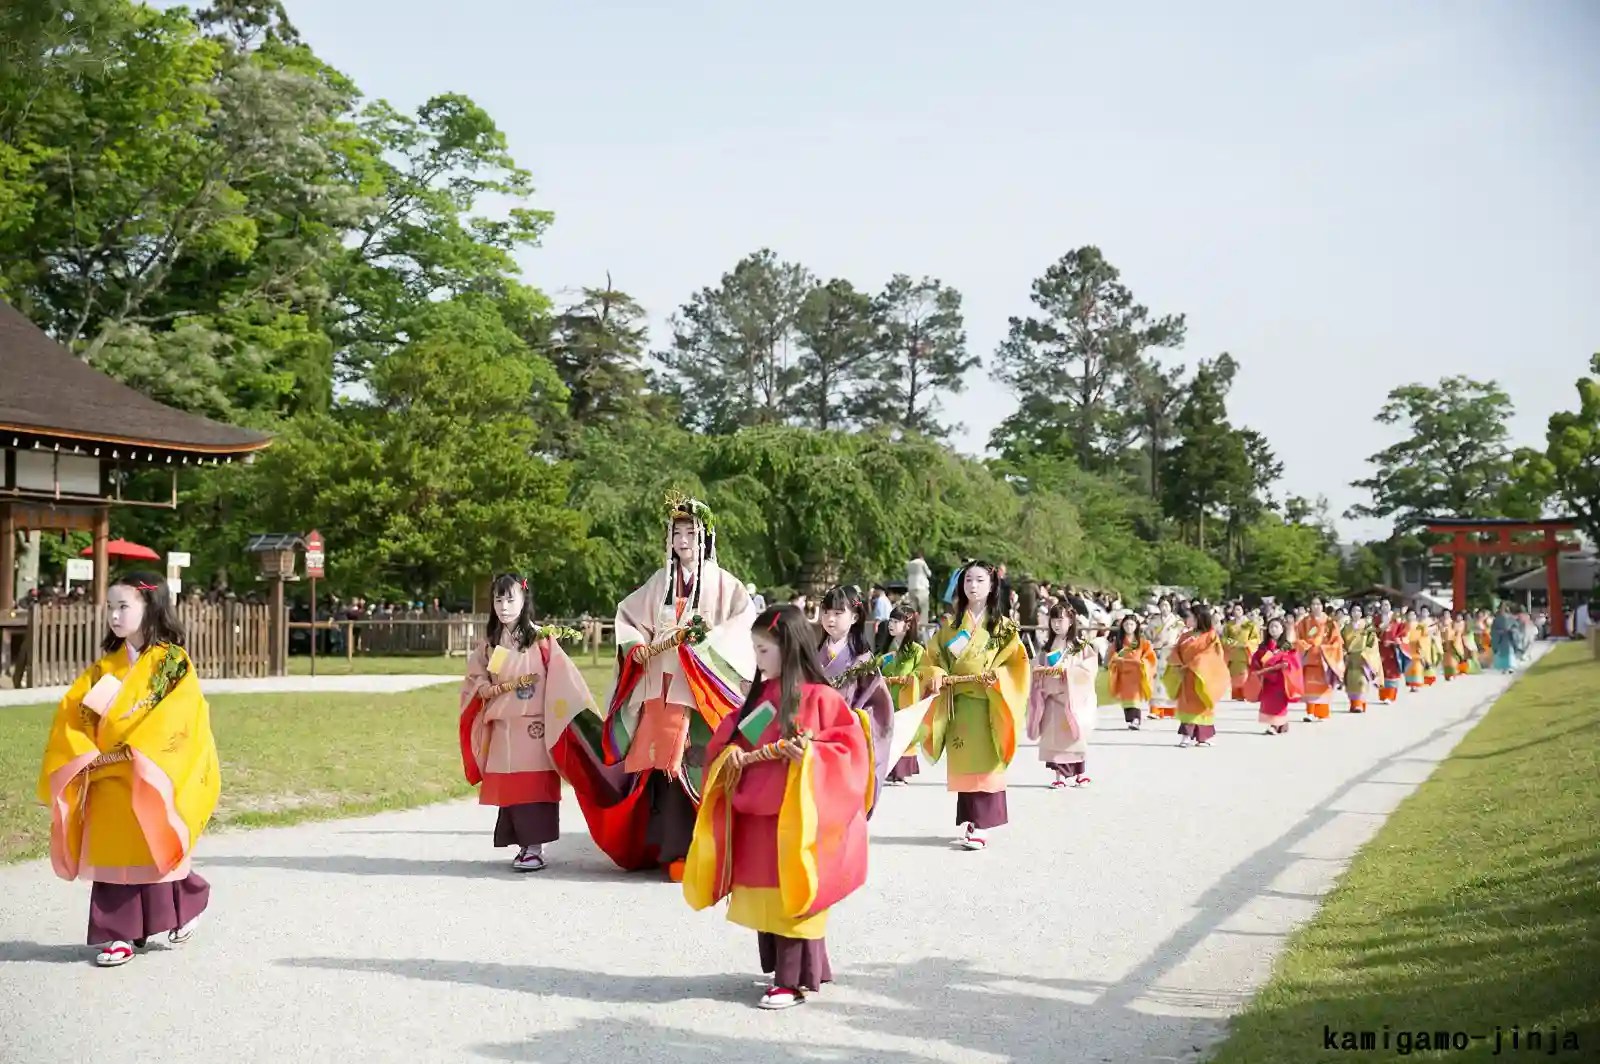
x=28 y=696
x=1122 y=922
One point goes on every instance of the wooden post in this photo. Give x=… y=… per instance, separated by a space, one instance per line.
x=313 y=626
x=279 y=628
x=102 y=535
x=1459 y=572
x=1552 y=578
x=350 y=645
x=8 y=556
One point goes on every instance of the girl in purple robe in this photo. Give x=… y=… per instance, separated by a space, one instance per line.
x=848 y=662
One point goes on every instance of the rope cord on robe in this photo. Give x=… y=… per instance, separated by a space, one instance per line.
x=112 y=757
x=496 y=690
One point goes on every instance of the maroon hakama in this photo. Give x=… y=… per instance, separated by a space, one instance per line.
x=794 y=963
x=528 y=824
x=672 y=815
x=981 y=809
x=905 y=768
x=132 y=912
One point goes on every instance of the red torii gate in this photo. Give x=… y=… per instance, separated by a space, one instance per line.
x=1464 y=541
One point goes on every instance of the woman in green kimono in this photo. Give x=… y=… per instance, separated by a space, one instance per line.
x=978 y=669
x=899 y=660
x=1362 y=667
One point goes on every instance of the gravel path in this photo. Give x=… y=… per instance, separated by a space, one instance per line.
x=1121 y=922
x=28 y=696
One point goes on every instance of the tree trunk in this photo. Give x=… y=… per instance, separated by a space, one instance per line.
x=818 y=572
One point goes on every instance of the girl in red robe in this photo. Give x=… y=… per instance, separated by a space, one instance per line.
x=782 y=826
x=1275 y=678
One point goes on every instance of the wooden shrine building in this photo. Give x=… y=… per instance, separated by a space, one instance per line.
x=70 y=436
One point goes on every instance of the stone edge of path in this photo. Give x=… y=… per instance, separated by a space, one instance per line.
x=379 y=684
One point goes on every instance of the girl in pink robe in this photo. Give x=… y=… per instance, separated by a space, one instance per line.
x=1061 y=701
x=503 y=727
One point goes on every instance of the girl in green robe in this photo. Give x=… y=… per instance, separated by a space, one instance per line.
x=978 y=670
x=899 y=661
x=1360 y=648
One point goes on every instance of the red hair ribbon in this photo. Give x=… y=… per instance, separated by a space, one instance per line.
x=142 y=586
x=774 y=624
x=524 y=583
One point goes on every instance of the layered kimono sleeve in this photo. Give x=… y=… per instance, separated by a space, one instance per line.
x=633 y=629
x=708 y=867
x=471 y=724
x=71 y=744
x=872 y=702
x=935 y=667
x=1008 y=698
x=721 y=665
x=822 y=826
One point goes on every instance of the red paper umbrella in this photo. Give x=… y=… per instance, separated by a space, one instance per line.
x=121 y=548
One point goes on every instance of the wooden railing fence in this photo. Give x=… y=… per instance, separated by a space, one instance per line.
x=227 y=640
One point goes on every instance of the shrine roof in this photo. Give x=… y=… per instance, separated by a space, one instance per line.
x=51 y=395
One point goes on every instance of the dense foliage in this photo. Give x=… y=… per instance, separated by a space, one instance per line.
x=201 y=207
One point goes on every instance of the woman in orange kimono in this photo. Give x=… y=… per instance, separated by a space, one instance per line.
x=1449 y=648
x=1321 y=647
x=131 y=777
x=1132 y=665
x=782 y=826
x=1200 y=679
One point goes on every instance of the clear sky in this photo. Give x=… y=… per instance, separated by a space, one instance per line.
x=1347 y=196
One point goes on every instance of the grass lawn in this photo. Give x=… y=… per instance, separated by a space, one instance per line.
x=285 y=758
x=1476 y=906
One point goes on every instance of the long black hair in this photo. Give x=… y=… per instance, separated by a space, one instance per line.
x=796 y=638
x=524 y=628
x=848 y=599
x=1119 y=635
x=885 y=641
x=1202 y=617
x=161 y=623
x=705 y=547
x=991 y=609
x=1073 y=640
x=1268 y=637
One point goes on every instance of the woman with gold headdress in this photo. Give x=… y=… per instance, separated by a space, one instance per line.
x=683 y=661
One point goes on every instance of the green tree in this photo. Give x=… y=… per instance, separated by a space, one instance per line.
x=1211 y=466
x=1147 y=402
x=1569 y=467
x=729 y=363
x=1069 y=361
x=839 y=354
x=923 y=340
x=437 y=480
x=1180 y=565
x=1245 y=502
x=1287 y=558
x=597 y=346
x=1454 y=460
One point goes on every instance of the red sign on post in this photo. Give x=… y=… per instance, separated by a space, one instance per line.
x=314 y=555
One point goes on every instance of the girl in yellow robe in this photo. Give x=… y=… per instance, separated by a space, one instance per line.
x=981 y=675
x=131 y=777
